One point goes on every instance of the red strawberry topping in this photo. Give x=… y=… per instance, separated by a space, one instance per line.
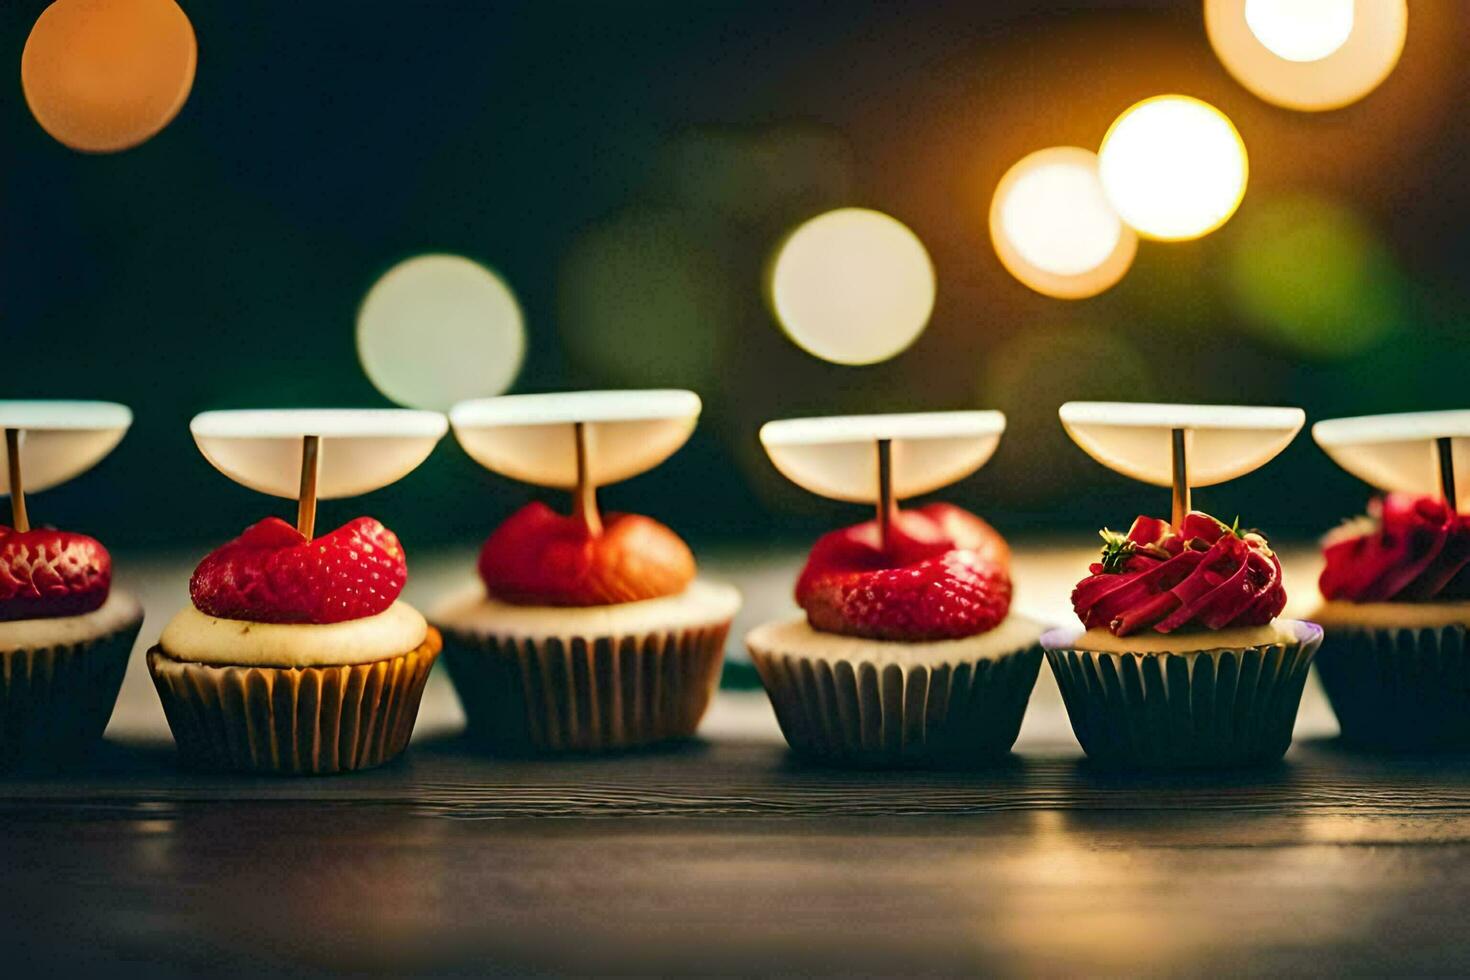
x=539 y=557
x=273 y=574
x=944 y=576
x=1409 y=548
x=46 y=573
x=1203 y=574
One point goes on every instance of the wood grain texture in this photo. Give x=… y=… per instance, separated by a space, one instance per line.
x=262 y=888
x=759 y=778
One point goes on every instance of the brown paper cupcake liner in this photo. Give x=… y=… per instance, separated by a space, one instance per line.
x=1215 y=708
x=56 y=701
x=1399 y=689
x=575 y=694
x=852 y=711
x=293 y=720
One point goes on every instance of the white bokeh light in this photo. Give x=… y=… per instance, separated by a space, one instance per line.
x=853 y=286
x=1309 y=55
x=1054 y=228
x=1174 y=167
x=440 y=329
x=1300 y=30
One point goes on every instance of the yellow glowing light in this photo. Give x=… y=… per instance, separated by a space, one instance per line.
x=105 y=75
x=1300 y=30
x=1174 y=167
x=853 y=286
x=1054 y=229
x=440 y=329
x=1311 y=55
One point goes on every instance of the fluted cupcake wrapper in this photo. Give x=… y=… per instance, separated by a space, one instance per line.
x=1399 y=689
x=1211 y=708
x=56 y=701
x=584 y=694
x=854 y=711
x=293 y=720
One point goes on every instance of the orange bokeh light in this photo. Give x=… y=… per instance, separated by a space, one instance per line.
x=105 y=75
x=1335 y=75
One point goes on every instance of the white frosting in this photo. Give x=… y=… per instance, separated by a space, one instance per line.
x=1394 y=615
x=195 y=637
x=1099 y=640
x=118 y=611
x=795 y=637
x=472 y=611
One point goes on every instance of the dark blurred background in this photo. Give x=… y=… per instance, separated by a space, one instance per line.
x=628 y=168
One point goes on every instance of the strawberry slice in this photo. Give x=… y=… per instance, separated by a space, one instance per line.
x=273 y=574
x=956 y=595
x=944 y=576
x=540 y=557
x=46 y=573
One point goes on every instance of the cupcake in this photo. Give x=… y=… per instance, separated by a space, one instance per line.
x=1396 y=584
x=906 y=652
x=1396 y=588
x=1181 y=660
x=65 y=633
x=65 y=639
x=586 y=631
x=296 y=655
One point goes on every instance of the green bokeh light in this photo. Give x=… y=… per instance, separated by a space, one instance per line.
x=646 y=300
x=1310 y=275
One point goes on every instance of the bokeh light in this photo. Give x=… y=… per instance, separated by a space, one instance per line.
x=1174 y=167
x=757 y=175
x=644 y=300
x=1054 y=229
x=1310 y=276
x=438 y=329
x=853 y=286
x=105 y=75
x=1300 y=30
x=1311 y=55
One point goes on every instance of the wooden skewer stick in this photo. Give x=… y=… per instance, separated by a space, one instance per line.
x=18 y=518
x=1181 y=477
x=1446 y=448
x=306 y=498
x=887 y=505
x=584 y=502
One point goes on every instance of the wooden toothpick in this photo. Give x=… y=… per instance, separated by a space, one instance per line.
x=584 y=501
x=1180 y=469
x=18 y=518
x=306 y=498
x=1446 y=449
x=887 y=505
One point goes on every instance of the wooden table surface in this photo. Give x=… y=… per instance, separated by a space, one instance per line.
x=727 y=856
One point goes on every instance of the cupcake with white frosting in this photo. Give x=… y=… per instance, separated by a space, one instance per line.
x=296 y=655
x=65 y=639
x=907 y=651
x=65 y=633
x=586 y=631
x=585 y=641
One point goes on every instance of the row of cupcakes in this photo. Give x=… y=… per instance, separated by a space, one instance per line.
x=590 y=631
x=908 y=653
